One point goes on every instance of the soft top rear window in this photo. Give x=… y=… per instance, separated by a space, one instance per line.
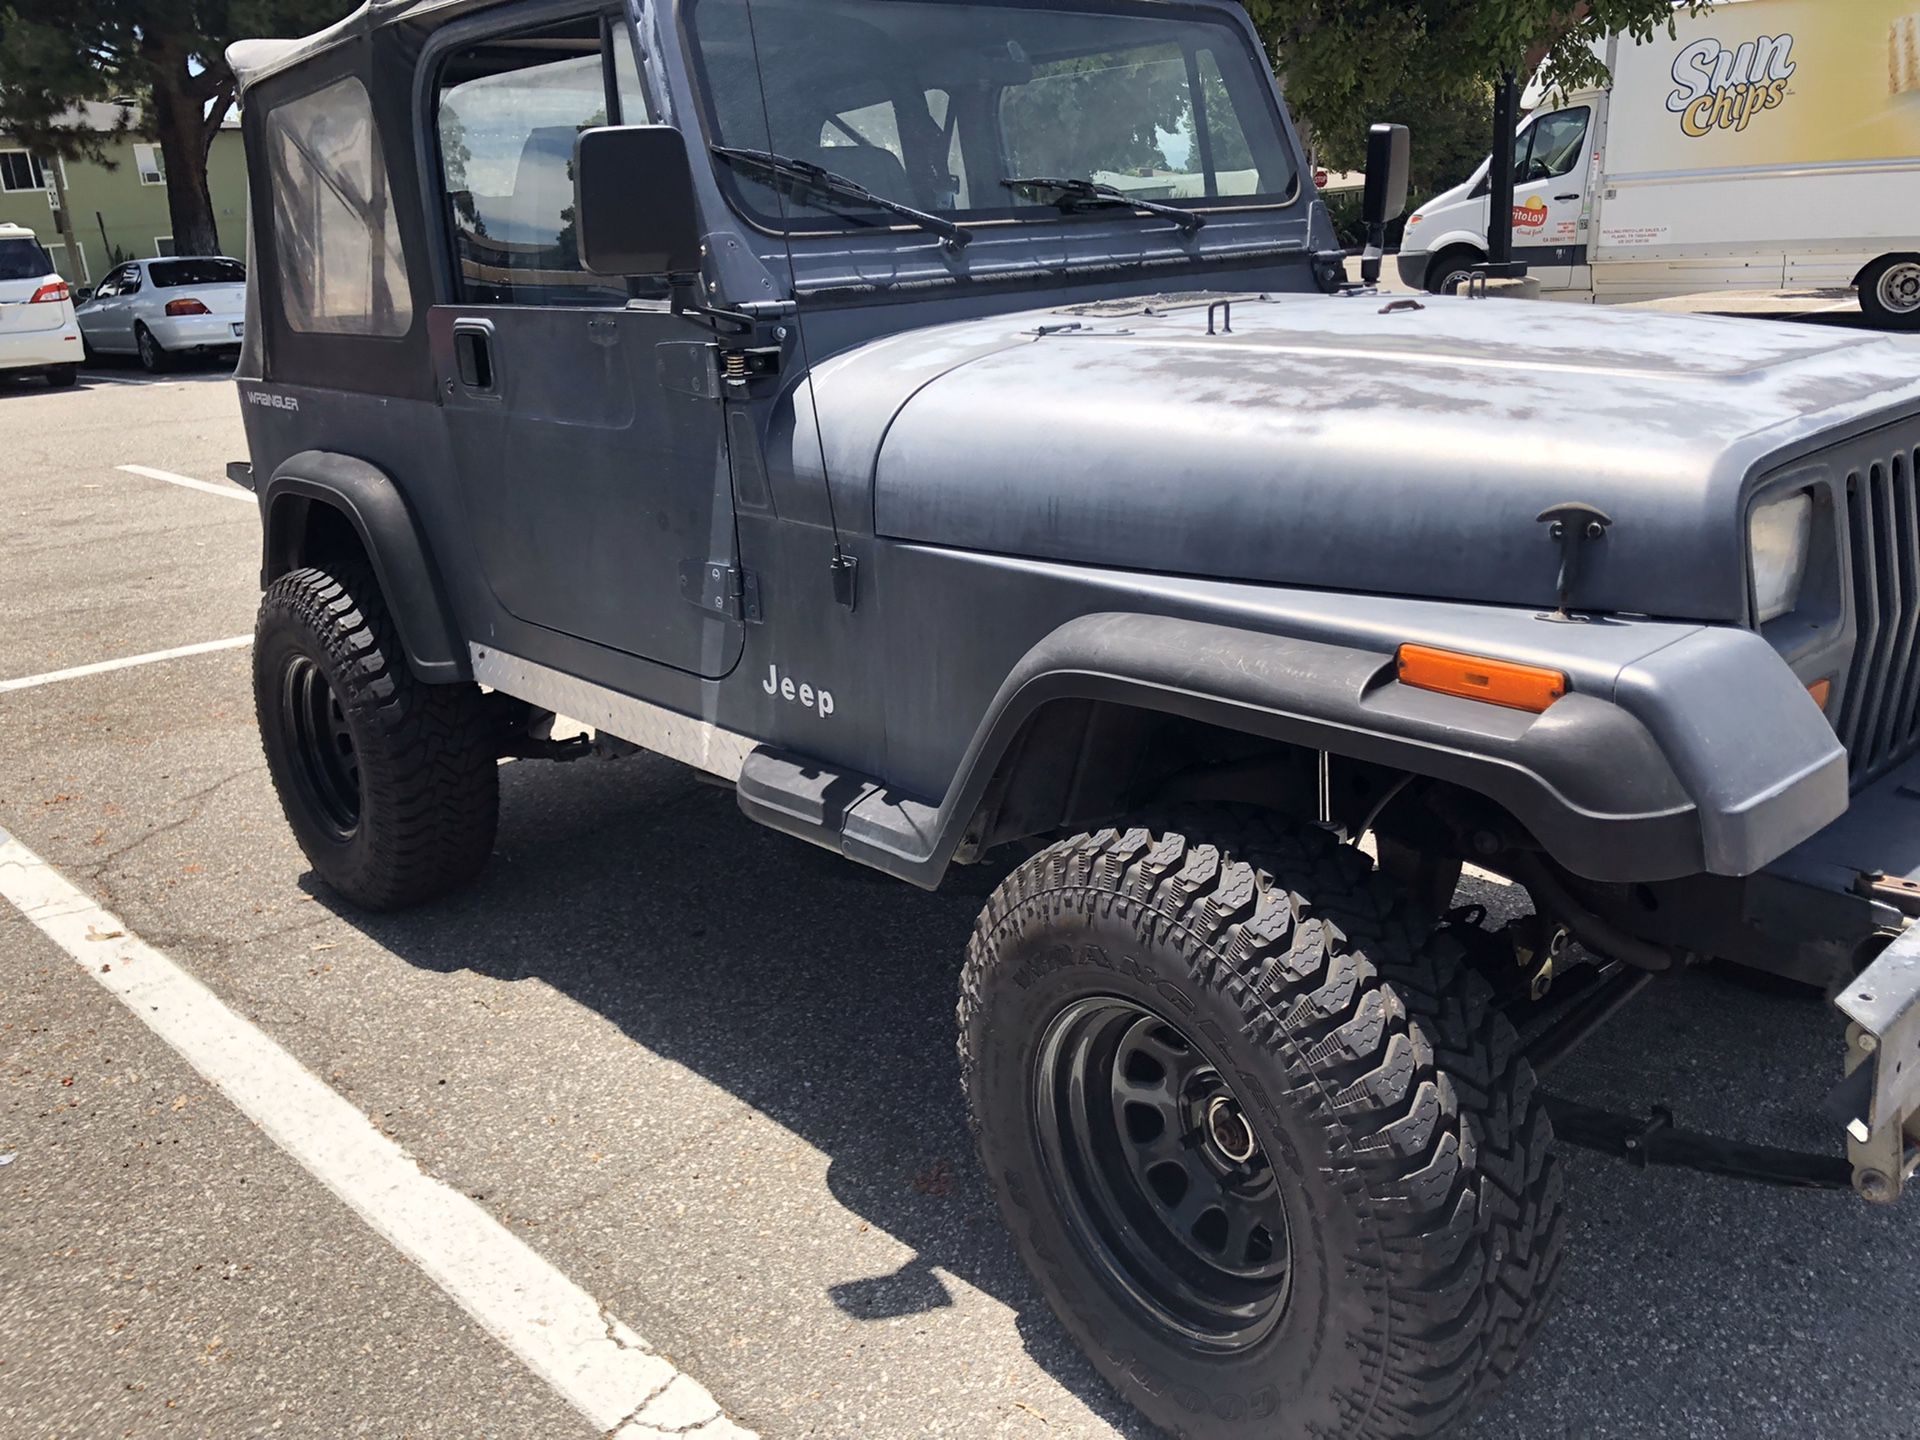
x=168 y=273
x=23 y=260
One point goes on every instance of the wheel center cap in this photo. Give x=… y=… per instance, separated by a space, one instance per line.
x=1229 y=1131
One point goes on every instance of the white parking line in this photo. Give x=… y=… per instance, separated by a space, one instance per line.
x=566 y=1337
x=230 y=492
x=101 y=667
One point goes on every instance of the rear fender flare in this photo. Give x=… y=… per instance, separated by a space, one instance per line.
x=402 y=565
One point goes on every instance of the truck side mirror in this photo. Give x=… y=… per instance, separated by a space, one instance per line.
x=634 y=212
x=1389 y=152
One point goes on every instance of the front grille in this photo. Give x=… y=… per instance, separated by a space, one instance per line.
x=1879 y=717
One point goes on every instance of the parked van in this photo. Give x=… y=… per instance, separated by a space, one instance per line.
x=1766 y=144
x=38 y=335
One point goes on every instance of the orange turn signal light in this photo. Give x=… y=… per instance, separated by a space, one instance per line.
x=1474 y=677
x=1821 y=691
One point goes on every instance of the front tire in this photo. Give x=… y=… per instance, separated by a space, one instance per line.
x=1451 y=269
x=1268 y=1148
x=390 y=785
x=62 y=376
x=1890 y=293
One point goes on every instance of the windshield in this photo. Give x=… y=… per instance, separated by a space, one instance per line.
x=168 y=273
x=23 y=260
x=937 y=105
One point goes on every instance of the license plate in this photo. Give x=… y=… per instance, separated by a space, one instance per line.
x=239 y=327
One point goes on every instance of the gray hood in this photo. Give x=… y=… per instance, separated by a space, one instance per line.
x=1330 y=442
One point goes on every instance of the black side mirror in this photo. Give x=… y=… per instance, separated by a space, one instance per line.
x=1389 y=153
x=634 y=211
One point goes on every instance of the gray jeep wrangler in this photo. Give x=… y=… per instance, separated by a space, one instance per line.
x=948 y=422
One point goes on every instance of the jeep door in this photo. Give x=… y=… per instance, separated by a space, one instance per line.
x=584 y=416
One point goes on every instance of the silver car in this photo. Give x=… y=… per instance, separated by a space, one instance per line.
x=162 y=309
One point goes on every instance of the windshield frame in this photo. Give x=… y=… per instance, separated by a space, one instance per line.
x=1229 y=21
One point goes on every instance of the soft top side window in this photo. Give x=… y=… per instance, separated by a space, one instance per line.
x=507 y=113
x=335 y=236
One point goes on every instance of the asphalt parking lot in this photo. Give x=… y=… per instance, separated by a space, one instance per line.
x=696 y=1069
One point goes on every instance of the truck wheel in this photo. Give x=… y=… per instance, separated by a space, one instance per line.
x=1451 y=269
x=391 y=786
x=1270 y=1151
x=1890 y=292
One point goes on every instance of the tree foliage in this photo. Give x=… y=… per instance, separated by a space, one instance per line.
x=163 y=60
x=1348 y=63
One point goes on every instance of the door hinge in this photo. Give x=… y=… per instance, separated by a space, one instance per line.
x=721 y=589
x=741 y=365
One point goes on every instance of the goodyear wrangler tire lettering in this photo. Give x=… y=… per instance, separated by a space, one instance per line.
x=1384 y=1232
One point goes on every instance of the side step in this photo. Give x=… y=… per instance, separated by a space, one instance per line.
x=850 y=814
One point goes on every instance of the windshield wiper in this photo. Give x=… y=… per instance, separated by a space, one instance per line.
x=801 y=178
x=1077 y=194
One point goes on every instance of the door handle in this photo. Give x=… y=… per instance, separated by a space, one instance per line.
x=473 y=355
x=1574 y=196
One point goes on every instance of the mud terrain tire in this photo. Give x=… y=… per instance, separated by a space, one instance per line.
x=391 y=785
x=1420 y=1197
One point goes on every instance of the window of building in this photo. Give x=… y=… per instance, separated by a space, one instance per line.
x=76 y=274
x=146 y=160
x=162 y=245
x=21 y=171
x=508 y=113
x=336 y=241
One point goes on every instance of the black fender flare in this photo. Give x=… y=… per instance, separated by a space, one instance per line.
x=1595 y=784
x=371 y=503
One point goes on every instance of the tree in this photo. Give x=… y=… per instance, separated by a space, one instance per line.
x=164 y=60
x=1351 y=62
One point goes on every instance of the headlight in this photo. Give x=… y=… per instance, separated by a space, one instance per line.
x=1778 y=536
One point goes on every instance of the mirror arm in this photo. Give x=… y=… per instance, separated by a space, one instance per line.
x=681 y=291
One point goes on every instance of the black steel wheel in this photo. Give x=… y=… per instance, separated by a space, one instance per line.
x=1160 y=1173
x=317 y=736
x=390 y=785
x=1268 y=1147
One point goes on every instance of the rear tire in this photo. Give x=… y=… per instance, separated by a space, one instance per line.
x=1418 y=1198
x=154 y=358
x=390 y=785
x=1890 y=293
x=61 y=376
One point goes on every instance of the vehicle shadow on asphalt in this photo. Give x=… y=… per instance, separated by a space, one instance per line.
x=822 y=995
x=760 y=962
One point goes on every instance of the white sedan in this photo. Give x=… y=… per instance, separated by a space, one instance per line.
x=161 y=309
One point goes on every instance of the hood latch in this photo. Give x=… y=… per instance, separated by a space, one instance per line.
x=1572 y=526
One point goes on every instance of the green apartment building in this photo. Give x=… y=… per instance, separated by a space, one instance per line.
x=119 y=212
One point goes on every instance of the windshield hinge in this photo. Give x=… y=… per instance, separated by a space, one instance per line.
x=719 y=588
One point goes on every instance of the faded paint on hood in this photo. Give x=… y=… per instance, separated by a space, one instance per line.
x=1330 y=442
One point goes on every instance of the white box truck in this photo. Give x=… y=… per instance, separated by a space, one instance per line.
x=1766 y=145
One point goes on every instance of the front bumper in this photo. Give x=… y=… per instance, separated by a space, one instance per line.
x=38 y=349
x=1414 y=265
x=197 y=332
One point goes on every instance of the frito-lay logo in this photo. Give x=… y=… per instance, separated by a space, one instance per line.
x=1722 y=89
x=1530 y=216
